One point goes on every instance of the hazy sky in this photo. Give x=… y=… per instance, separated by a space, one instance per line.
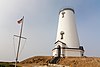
x=40 y=26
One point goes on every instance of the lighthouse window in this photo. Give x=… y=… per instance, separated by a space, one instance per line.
x=62 y=33
x=63 y=14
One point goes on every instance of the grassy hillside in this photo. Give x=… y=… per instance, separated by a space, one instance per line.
x=80 y=61
x=67 y=61
x=37 y=60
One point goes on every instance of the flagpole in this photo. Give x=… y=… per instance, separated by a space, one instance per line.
x=19 y=43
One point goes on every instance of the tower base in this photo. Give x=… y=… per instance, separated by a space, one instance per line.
x=69 y=52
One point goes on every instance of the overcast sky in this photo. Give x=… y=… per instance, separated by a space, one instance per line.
x=40 y=26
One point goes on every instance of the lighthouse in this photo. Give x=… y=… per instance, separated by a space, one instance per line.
x=67 y=41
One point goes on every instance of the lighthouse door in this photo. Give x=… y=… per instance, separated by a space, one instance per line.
x=59 y=50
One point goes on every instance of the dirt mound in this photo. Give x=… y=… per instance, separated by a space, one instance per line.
x=37 y=60
x=67 y=61
x=80 y=61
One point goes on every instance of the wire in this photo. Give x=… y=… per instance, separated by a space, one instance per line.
x=22 y=47
x=14 y=46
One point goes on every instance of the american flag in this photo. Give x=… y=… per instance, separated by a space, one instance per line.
x=20 y=21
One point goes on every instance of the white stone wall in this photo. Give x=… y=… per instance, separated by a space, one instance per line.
x=55 y=53
x=69 y=52
x=74 y=53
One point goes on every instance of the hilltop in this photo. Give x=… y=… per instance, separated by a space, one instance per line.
x=67 y=61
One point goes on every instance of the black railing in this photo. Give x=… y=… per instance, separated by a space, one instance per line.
x=54 y=60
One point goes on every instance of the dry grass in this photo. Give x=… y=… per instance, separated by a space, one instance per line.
x=72 y=61
x=37 y=60
x=80 y=61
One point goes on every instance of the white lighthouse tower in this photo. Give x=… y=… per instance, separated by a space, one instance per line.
x=67 y=41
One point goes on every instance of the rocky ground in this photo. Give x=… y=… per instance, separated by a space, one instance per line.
x=67 y=61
